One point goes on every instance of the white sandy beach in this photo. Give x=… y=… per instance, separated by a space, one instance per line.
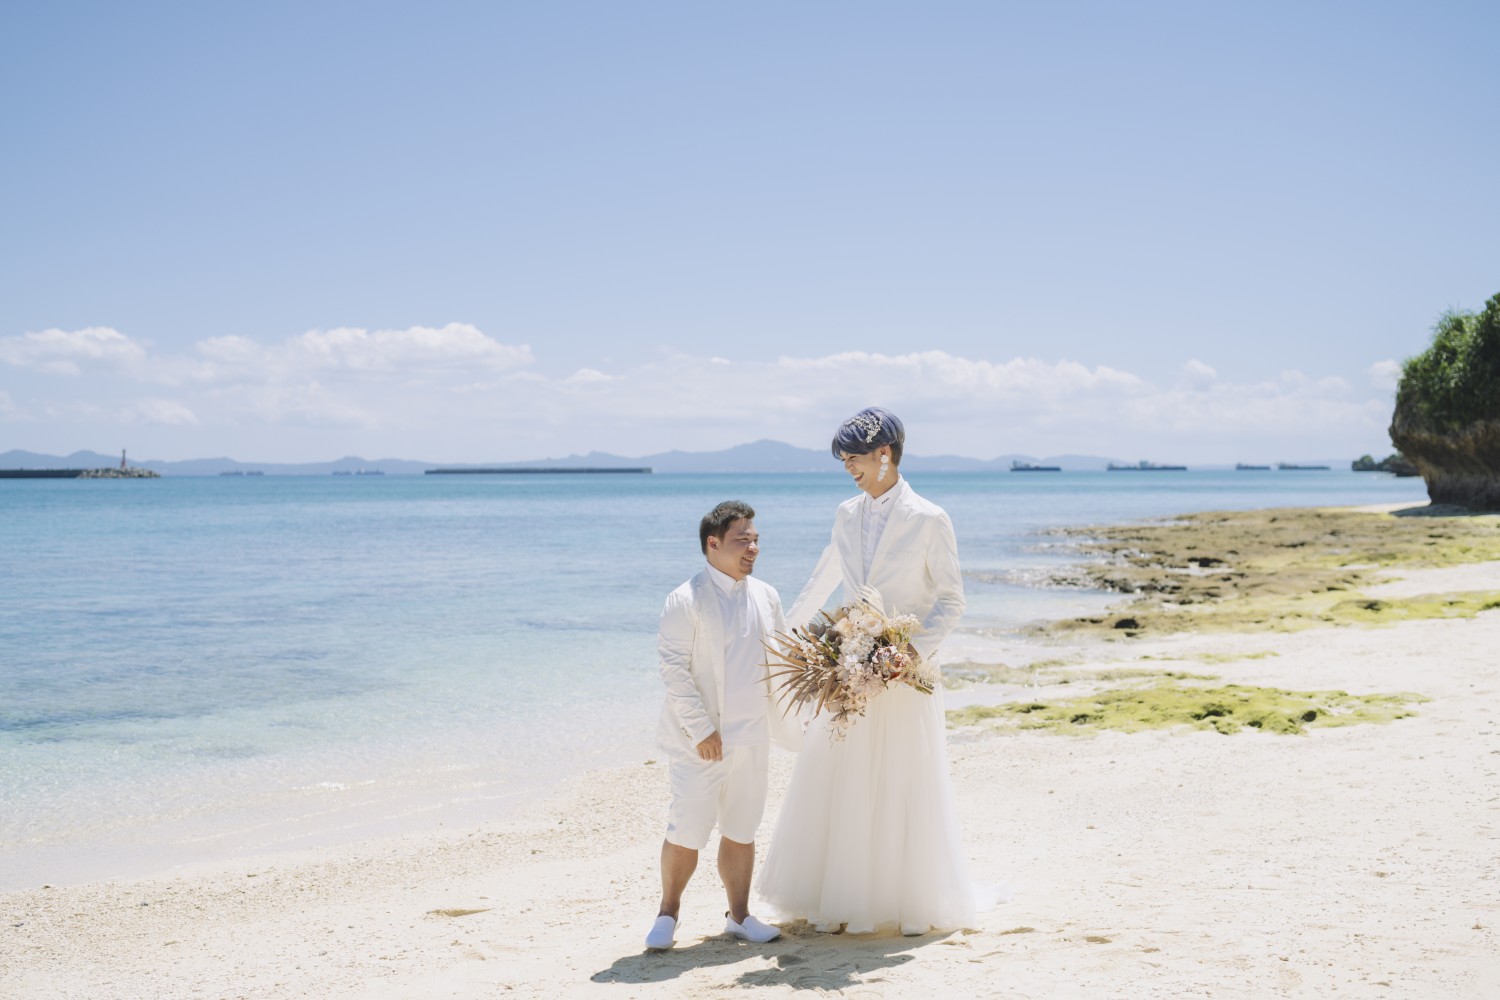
x=1348 y=862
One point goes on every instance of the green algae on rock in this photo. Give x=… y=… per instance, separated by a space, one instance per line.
x=1225 y=709
x=1381 y=612
x=1206 y=657
x=1273 y=570
x=1137 y=673
x=1295 y=613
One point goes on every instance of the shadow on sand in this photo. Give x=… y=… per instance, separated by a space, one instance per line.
x=803 y=957
x=1442 y=510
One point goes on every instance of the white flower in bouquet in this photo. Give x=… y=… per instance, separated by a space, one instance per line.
x=865 y=682
x=843 y=660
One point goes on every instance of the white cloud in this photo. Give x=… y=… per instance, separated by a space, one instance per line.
x=414 y=351
x=453 y=393
x=70 y=352
x=310 y=405
x=940 y=372
x=1266 y=409
x=1197 y=371
x=1385 y=374
x=421 y=347
x=951 y=404
x=340 y=378
x=586 y=376
x=230 y=350
x=160 y=411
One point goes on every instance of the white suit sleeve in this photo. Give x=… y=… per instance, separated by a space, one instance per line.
x=948 y=587
x=674 y=648
x=786 y=726
x=826 y=576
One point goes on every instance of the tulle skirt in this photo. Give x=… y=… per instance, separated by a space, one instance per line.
x=868 y=833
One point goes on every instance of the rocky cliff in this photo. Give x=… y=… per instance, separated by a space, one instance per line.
x=1461 y=467
x=1396 y=463
x=1447 y=419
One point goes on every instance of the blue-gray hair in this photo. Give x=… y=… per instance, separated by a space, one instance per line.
x=867 y=430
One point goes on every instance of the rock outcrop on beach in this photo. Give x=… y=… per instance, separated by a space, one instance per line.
x=1447 y=419
x=1396 y=463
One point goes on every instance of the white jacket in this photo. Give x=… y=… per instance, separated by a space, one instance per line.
x=915 y=568
x=690 y=647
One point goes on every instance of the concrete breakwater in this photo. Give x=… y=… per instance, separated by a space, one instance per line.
x=132 y=473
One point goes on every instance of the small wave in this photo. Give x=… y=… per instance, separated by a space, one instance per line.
x=1034 y=578
x=634 y=624
x=232 y=751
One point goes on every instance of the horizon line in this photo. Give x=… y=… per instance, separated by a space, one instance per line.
x=1103 y=460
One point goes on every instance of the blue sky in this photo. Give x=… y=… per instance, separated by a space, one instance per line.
x=498 y=231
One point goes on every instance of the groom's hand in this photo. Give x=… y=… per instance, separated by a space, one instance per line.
x=711 y=748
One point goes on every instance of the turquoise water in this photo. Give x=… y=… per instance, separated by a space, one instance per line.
x=196 y=667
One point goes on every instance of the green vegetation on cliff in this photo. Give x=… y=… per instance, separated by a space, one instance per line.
x=1456 y=381
x=1396 y=463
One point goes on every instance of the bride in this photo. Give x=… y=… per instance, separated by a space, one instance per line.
x=868 y=836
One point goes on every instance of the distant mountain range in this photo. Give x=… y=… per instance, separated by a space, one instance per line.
x=758 y=456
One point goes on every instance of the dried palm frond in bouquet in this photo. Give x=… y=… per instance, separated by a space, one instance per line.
x=844 y=659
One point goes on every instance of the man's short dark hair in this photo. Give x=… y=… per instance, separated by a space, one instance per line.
x=717 y=521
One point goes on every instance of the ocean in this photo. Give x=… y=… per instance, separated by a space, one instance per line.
x=200 y=668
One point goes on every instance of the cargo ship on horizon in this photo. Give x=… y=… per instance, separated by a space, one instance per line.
x=1144 y=466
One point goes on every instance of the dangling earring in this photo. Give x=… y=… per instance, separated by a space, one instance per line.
x=885 y=464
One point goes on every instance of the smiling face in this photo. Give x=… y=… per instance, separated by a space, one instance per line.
x=866 y=471
x=734 y=554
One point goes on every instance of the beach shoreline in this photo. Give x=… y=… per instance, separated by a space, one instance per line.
x=1340 y=862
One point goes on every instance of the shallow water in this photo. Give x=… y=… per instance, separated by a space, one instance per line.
x=197 y=667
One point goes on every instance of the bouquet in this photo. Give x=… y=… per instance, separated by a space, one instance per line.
x=844 y=659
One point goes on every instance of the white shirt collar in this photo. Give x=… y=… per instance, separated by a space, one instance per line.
x=723 y=580
x=882 y=503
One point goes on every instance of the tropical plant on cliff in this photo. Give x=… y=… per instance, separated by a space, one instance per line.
x=1447 y=419
x=1456 y=381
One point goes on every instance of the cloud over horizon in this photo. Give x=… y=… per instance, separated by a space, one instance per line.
x=71 y=352
x=454 y=393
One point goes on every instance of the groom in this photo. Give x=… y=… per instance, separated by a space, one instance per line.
x=719 y=718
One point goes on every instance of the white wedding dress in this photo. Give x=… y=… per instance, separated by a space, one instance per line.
x=868 y=832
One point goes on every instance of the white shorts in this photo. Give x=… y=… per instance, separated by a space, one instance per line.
x=729 y=793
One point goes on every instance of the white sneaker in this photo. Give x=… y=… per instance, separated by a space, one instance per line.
x=662 y=934
x=751 y=930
